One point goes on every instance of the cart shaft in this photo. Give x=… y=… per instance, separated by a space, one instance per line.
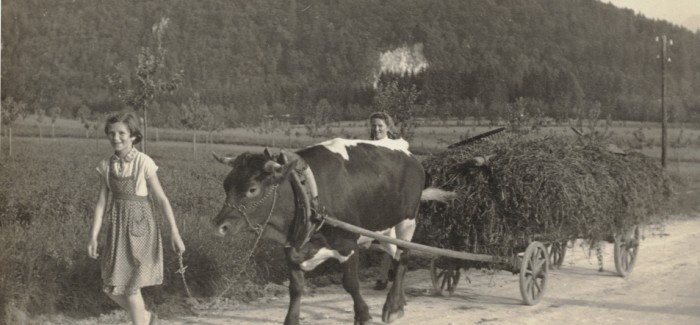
x=434 y=251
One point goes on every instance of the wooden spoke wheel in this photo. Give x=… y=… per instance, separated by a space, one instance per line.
x=445 y=276
x=533 y=273
x=626 y=249
x=557 y=252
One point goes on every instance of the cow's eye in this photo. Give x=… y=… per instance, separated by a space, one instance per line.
x=253 y=191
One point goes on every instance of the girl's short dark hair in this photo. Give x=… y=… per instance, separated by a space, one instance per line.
x=132 y=123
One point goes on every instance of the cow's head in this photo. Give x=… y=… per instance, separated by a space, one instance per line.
x=251 y=189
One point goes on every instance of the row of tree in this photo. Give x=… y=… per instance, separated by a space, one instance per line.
x=317 y=60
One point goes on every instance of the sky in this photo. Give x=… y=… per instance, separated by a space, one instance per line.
x=680 y=12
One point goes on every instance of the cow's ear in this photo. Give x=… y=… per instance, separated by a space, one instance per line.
x=282 y=158
x=267 y=153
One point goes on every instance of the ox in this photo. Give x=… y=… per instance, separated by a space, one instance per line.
x=376 y=185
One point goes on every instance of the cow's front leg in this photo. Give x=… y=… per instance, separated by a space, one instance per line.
x=296 y=289
x=351 y=284
x=395 y=299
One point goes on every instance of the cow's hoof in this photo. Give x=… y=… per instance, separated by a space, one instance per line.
x=389 y=317
x=364 y=322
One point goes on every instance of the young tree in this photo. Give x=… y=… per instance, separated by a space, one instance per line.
x=40 y=113
x=149 y=81
x=84 y=114
x=54 y=113
x=11 y=110
x=214 y=122
x=195 y=117
x=321 y=115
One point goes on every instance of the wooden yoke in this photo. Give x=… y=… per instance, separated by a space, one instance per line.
x=305 y=222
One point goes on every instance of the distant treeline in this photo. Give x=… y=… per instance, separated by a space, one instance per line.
x=251 y=59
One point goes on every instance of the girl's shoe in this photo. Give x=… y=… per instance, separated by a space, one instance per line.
x=154 y=319
x=380 y=285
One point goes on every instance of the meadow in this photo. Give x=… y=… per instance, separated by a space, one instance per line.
x=48 y=188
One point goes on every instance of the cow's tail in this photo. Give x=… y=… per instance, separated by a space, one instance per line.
x=436 y=194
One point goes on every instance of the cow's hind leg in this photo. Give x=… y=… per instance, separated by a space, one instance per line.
x=395 y=299
x=296 y=289
x=351 y=284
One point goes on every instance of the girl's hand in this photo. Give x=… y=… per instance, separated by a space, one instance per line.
x=178 y=245
x=92 y=248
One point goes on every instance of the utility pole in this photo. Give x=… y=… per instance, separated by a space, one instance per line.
x=665 y=41
x=0 y=131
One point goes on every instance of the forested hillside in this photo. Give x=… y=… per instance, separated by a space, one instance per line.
x=247 y=59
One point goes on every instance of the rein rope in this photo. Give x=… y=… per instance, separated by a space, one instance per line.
x=181 y=270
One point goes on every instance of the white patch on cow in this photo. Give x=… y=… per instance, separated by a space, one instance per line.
x=366 y=242
x=340 y=145
x=403 y=230
x=321 y=256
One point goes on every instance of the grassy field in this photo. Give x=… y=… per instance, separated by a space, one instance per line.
x=49 y=185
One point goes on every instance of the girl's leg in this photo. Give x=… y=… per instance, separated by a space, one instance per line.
x=139 y=315
x=121 y=301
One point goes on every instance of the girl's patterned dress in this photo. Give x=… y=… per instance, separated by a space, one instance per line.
x=132 y=257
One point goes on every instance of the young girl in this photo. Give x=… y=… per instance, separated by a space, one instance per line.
x=133 y=255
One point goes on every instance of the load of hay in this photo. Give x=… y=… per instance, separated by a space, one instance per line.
x=548 y=189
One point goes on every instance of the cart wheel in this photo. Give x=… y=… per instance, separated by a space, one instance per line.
x=626 y=249
x=533 y=273
x=557 y=252
x=444 y=278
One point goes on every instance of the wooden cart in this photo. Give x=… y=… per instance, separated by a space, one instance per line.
x=445 y=273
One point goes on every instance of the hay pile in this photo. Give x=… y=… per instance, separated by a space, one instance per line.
x=545 y=189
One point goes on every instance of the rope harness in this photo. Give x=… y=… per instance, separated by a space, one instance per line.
x=242 y=208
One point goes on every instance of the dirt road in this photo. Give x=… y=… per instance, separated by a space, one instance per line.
x=664 y=288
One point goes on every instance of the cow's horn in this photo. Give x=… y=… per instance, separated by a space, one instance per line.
x=271 y=166
x=223 y=160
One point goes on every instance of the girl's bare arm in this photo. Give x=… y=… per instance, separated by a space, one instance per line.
x=157 y=190
x=97 y=220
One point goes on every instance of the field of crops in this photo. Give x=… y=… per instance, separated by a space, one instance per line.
x=48 y=188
